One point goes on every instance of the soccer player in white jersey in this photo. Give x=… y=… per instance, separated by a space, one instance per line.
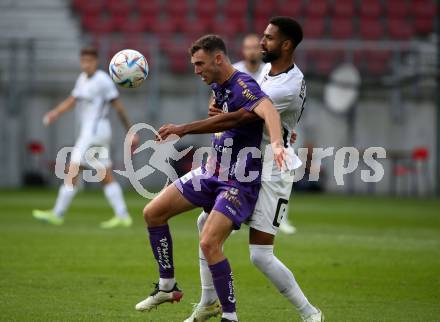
x=93 y=94
x=254 y=66
x=251 y=64
x=284 y=83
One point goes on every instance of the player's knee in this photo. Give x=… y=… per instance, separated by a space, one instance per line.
x=150 y=216
x=260 y=258
x=209 y=247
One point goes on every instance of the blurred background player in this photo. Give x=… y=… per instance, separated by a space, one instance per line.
x=251 y=51
x=284 y=83
x=93 y=94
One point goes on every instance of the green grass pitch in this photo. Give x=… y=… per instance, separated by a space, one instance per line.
x=357 y=258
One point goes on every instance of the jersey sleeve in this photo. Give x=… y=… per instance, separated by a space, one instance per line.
x=250 y=93
x=292 y=98
x=75 y=90
x=109 y=90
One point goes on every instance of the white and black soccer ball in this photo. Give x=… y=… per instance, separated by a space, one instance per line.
x=128 y=68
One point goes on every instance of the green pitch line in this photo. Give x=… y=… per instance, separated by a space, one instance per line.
x=357 y=258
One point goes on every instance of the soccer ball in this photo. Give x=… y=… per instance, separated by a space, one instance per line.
x=128 y=68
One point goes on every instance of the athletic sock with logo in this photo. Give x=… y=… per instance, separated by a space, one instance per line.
x=162 y=246
x=223 y=283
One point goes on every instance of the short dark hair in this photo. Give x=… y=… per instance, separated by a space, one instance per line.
x=209 y=43
x=90 y=51
x=289 y=28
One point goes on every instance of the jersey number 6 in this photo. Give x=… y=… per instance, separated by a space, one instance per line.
x=280 y=212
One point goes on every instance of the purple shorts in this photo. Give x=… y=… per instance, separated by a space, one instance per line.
x=233 y=199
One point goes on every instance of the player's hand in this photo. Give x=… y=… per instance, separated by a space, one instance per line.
x=293 y=137
x=168 y=129
x=279 y=155
x=134 y=140
x=50 y=117
x=214 y=110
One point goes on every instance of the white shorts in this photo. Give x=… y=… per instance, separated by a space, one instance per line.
x=92 y=150
x=271 y=207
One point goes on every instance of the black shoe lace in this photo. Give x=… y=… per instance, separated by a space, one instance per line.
x=156 y=289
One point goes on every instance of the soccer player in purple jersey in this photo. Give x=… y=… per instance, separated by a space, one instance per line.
x=284 y=83
x=227 y=190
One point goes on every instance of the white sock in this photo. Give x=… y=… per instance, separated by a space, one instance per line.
x=230 y=316
x=114 y=195
x=209 y=295
x=263 y=258
x=64 y=198
x=166 y=284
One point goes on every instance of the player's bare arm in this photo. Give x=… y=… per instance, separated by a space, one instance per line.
x=219 y=122
x=271 y=117
x=61 y=108
x=122 y=114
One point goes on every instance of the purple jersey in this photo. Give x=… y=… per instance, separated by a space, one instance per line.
x=239 y=91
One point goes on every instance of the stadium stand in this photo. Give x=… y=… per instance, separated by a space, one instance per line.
x=399 y=20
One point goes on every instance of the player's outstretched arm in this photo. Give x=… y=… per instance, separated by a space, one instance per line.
x=217 y=123
x=61 y=108
x=122 y=114
x=271 y=117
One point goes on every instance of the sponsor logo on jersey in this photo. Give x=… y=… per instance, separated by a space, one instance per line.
x=231 y=210
x=241 y=83
x=248 y=94
x=231 y=195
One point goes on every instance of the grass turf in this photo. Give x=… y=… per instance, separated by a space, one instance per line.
x=357 y=258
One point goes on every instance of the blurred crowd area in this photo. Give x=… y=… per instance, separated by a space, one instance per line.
x=392 y=44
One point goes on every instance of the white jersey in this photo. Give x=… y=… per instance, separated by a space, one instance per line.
x=287 y=91
x=93 y=96
x=241 y=66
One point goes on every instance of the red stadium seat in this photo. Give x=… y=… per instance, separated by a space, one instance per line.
x=177 y=8
x=397 y=9
x=194 y=29
x=400 y=29
x=179 y=63
x=373 y=62
x=371 y=29
x=344 y=8
x=206 y=21
x=424 y=9
x=92 y=7
x=97 y=24
x=314 y=28
x=164 y=27
x=78 y=4
x=148 y=8
x=235 y=8
x=317 y=8
x=325 y=60
x=265 y=9
x=424 y=26
x=370 y=9
x=290 y=8
x=230 y=26
x=119 y=20
x=259 y=25
x=137 y=24
x=206 y=7
x=342 y=28
x=119 y=7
